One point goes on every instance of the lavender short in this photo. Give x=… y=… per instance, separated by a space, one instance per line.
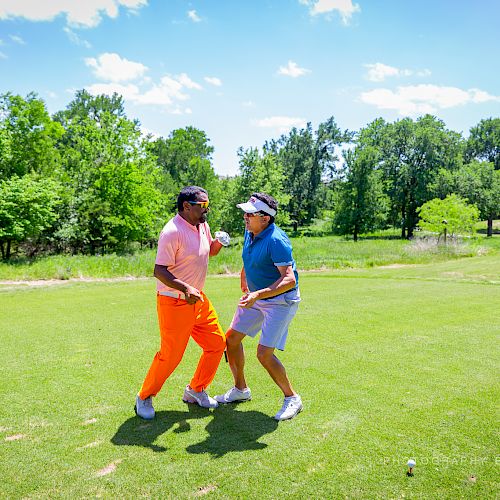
x=272 y=316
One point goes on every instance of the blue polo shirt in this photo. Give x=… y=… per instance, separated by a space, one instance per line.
x=262 y=253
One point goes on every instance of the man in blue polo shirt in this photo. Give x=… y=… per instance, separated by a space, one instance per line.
x=269 y=281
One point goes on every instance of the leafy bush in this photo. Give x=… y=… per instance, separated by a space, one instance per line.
x=452 y=215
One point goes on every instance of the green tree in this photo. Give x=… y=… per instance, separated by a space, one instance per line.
x=28 y=207
x=477 y=182
x=27 y=137
x=259 y=172
x=110 y=176
x=308 y=159
x=184 y=158
x=484 y=142
x=175 y=154
x=451 y=216
x=411 y=153
x=361 y=205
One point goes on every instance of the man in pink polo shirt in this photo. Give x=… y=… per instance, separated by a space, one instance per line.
x=184 y=311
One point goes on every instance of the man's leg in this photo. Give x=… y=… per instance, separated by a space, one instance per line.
x=275 y=368
x=175 y=321
x=236 y=357
x=292 y=403
x=208 y=334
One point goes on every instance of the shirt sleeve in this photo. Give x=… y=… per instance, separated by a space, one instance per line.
x=281 y=252
x=168 y=245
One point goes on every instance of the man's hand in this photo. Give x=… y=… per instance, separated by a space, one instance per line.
x=223 y=238
x=192 y=294
x=248 y=300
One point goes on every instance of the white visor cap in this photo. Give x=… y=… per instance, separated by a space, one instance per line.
x=255 y=205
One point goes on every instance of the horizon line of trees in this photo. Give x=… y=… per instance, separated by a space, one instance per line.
x=85 y=180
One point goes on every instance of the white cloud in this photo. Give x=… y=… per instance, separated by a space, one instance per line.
x=111 y=67
x=86 y=14
x=75 y=38
x=17 y=39
x=378 y=72
x=129 y=92
x=193 y=16
x=293 y=70
x=51 y=94
x=424 y=72
x=281 y=123
x=421 y=99
x=187 y=82
x=248 y=104
x=213 y=80
x=3 y=56
x=479 y=96
x=344 y=7
x=167 y=93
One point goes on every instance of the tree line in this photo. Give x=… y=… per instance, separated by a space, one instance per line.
x=85 y=180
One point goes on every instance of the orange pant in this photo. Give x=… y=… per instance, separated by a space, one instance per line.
x=178 y=321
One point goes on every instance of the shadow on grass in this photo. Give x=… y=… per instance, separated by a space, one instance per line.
x=229 y=430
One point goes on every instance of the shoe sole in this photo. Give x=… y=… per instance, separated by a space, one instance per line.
x=193 y=401
x=235 y=401
x=288 y=418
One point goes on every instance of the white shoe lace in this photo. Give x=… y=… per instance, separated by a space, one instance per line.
x=289 y=403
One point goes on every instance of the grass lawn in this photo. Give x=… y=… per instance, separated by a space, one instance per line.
x=391 y=363
x=326 y=252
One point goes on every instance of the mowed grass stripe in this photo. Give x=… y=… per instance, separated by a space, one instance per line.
x=389 y=368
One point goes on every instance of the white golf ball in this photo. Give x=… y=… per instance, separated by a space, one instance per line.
x=411 y=463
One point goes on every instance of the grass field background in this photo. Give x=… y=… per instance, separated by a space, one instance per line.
x=310 y=253
x=392 y=363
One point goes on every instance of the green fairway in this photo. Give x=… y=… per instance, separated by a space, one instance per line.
x=391 y=363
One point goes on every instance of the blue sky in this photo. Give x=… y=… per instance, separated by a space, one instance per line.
x=247 y=71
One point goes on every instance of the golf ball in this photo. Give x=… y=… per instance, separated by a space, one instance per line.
x=411 y=463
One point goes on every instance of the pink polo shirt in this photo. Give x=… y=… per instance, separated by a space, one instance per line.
x=184 y=249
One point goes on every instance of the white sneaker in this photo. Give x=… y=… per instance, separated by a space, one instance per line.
x=234 y=395
x=291 y=406
x=144 y=408
x=200 y=398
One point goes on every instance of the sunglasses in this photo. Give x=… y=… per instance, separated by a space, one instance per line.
x=254 y=214
x=203 y=204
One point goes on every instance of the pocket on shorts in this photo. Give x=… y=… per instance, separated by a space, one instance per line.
x=292 y=297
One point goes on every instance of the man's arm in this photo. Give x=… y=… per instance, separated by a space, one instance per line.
x=215 y=248
x=285 y=282
x=162 y=273
x=243 y=281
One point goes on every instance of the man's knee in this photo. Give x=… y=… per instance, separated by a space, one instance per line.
x=264 y=354
x=217 y=344
x=233 y=339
